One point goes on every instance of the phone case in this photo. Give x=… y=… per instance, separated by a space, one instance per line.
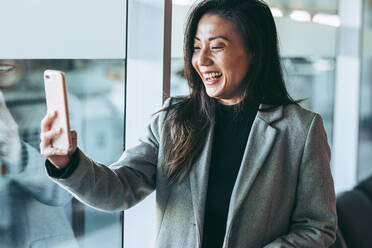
x=56 y=99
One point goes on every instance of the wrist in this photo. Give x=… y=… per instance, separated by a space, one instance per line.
x=61 y=163
x=63 y=172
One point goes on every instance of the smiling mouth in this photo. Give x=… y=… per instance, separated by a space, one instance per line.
x=213 y=77
x=6 y=68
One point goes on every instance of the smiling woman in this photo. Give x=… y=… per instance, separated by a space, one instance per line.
x=237 y=40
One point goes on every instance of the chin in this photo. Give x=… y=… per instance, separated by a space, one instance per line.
x=215 y=96
x=213 y=91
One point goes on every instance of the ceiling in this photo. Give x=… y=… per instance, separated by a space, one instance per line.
x=312 y=6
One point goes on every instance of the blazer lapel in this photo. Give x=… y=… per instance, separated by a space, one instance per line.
x=260 y=141
x=199 y=183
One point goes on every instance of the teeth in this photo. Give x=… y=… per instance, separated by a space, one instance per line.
x=212 y=75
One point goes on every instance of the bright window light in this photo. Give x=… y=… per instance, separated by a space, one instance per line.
x=182 y=2
x=300 y=15
x=323 y=65
x=276 y=12
x=326 y=19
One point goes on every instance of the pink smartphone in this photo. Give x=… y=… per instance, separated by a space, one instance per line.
x=56 y=99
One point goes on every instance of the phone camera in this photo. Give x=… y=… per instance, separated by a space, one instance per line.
x=47 y=76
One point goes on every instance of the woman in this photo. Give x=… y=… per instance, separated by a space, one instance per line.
x=237 y=163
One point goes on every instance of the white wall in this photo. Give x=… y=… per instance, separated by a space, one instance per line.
x=32 y=29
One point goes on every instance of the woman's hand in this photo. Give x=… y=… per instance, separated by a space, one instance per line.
x=10 y=143
x=59 y=158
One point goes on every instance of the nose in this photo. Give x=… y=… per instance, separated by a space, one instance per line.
x=204 y=58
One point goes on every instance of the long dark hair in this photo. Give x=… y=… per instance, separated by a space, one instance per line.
x=190 y=118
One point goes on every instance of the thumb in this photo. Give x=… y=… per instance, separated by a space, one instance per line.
x=73 y=134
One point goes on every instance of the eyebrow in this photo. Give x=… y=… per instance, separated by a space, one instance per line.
x=214 y=37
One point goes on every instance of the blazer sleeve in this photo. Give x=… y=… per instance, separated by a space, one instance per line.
x=35 y=183
x=122 y=184
x=314 y=218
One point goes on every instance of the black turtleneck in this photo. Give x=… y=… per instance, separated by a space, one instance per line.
x=230 y=137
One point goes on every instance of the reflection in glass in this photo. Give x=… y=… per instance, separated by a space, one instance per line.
x=34 y=210
x=312 y=79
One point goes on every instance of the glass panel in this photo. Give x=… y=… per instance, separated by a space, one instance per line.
x=313 y=79
x=34 y=210
x=144 y=87
x=365 y=124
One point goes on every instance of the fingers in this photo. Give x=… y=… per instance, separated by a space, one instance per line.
x=46 y=147
x=47 y=121
x=52 y=151
x=48 y=136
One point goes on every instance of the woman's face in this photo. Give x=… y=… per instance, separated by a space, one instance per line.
x=10 y=73
x=220 y=58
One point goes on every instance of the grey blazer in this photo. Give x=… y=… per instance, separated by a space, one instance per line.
x=283 y=195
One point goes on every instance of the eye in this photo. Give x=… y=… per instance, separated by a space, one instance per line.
x=217 y=46
x=196 y=48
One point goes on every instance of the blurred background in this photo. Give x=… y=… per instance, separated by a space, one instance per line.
x=122 y=58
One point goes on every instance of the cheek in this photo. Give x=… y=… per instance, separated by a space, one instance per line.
x=234 y=73
x=231 y=68
x=239 y=68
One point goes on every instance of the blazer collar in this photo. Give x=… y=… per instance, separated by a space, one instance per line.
x=272 y=115
x=199 y=183
x=260 y=141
